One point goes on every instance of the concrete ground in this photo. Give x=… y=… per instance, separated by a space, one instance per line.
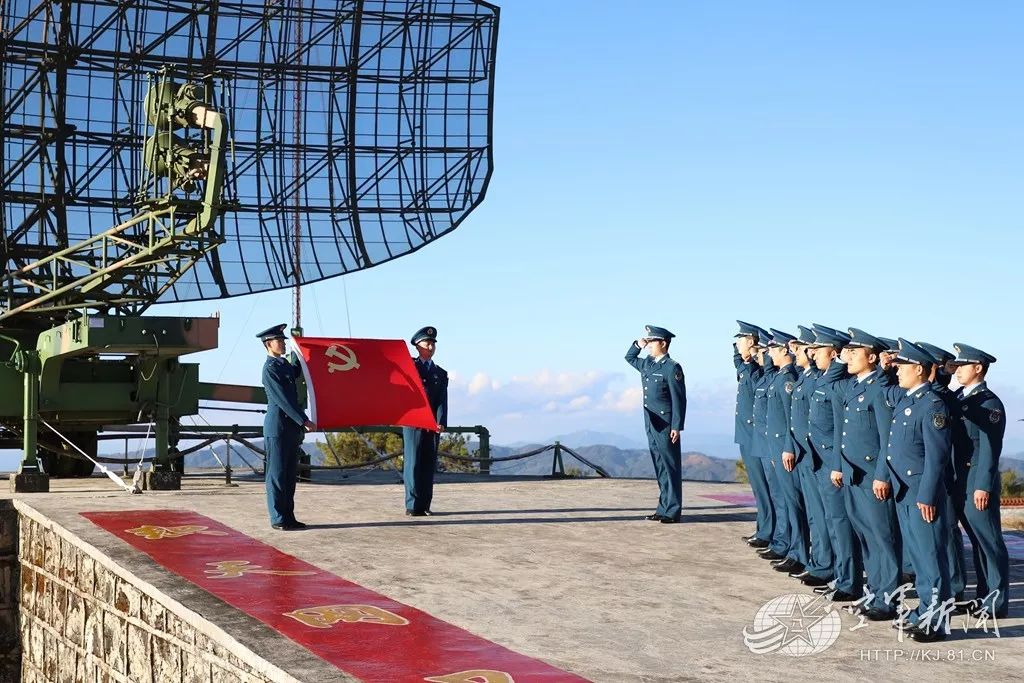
x=566 y=571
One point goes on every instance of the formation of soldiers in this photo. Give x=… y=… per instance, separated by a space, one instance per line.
x=864 y=463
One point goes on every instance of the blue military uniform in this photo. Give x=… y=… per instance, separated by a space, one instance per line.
x=664 y=411
x=819 y=556
x=863 y=417
x=747 y=374
x=421 y=445
x=283 y=431
x=777 y=424
x=779 y=543
x=918 y=455
x=976 y=461
x=847 y=562
x=955 y=543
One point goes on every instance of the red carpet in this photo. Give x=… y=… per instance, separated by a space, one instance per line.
x=357 y=630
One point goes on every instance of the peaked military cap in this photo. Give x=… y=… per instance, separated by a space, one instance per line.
x=861 y=339
x=806 y=335
x=275 y=332
x=780 y=338
x=890 y=344
x=909 y=352
x=746 y=329
x=424 y=333
x=941 y=356
x=826 y=336
x=653 y=332
x=965 y=355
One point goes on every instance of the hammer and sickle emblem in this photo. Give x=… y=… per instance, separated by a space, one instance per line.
x=473 y=676
x=343 y=353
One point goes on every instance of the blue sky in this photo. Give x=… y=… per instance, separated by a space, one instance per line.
x=689 y=163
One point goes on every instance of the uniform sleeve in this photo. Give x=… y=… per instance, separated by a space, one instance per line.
x=737 y=359
x=992 y=427
x=273 y=382
x=442 y=410
x=786 y=399
x=633 y=357
x=837 y=430
x=937 y=444
x=883 y=421
x=677 y=391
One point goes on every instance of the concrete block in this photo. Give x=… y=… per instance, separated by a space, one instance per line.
x=194 y=668
x=139 y=653
x=167 y=666
x=29 y=482
x=115 y=639
x=162 y=481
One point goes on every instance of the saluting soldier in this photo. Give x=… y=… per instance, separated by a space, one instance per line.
x=978 y=487
x=818 y=570
x=848 y=562
x=783 y=459
x=862 y=419
x=918 y=455
x=748 y=371
x=664 y=416
x=283 y=427
x=779 y=544
x=421 y=445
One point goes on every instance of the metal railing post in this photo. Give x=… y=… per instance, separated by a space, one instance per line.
x=227 y=461
x=485 y=448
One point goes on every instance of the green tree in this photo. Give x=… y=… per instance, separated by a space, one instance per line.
x=1012 y=484
x=741 y=472
x=349 y=448
x=456 y=444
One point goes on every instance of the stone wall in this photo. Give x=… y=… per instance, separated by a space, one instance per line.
x=83 y=618
x=10 y=645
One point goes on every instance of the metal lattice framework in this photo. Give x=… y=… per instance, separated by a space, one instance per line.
x=361 y=130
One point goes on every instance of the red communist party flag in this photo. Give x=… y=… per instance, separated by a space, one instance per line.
x=363 y=383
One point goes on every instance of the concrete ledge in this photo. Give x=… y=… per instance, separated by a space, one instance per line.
x=30 y=482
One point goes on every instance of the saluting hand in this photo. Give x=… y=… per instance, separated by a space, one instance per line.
x=981 y=500
x=881 y=489
x=673 y=435
x=927 y=512
x=837 y=479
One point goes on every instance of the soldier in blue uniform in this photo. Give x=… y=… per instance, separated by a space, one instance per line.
x=918 y=455
x=847 y=564
x=783 y=459
x=748 y=371
x=940 y=380
x=863 y=418
x=421 y=444
x=977 y=482
x=818 y=570
x=779 y=543
x=664 y=416
x=284 y=426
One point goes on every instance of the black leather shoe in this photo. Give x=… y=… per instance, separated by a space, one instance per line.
x=428 y=513
x=296 y=524
x=789 y=566
x=823 y=590
x=843 y=596
x=758 y=543
x=814 y=581
x=908 y=578
x=920 y=635
x=415 y=513
x=801 y=574
x=770 y=554
x=876 y=614
x=748 y=537
x=669 y=520
x=277 y=526
x=654 y=518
